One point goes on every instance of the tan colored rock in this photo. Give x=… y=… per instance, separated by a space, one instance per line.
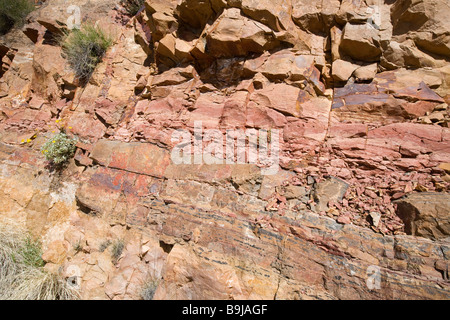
x=314 y=16
x=197 y=13
x=343 y=70
x=366 y=73
x=406 y=54
x=355 y=12
x=284 y=64
x=361 y=42
x=166 y=46
x=336 y=38
x=161 y=18
x=56 y=252
x=276 y=18
x=445 y=166
x=173 y=76
x=281 y=97
x=425 y=22
x=236 y=35
x=187 y=268
x=425 y=214
x=332 y=189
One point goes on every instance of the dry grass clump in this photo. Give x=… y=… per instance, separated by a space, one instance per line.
x=84 y=49
x=22 y=276
x=13 y=12
x=117 y=249
x=149 y=288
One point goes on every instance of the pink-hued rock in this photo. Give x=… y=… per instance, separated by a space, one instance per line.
x=280 y=97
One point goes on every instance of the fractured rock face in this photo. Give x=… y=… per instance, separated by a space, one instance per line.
x=361 y=42
x=426 y=215
x=236 y=35
x=314 y=16
x=425 y=22
x=333 y=189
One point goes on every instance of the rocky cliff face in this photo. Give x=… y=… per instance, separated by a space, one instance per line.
x=358 y=207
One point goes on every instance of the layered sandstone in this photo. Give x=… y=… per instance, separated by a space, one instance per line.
x=358 y=90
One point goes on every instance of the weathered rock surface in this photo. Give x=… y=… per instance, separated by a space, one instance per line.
x=425 y=214
x=199 y=246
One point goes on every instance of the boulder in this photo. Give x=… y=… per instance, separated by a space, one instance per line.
x=161 y=19
x=343 y=70
x=406 y=54
x=234 y=34
x=332 y=189
x=361 y=42
x=425 y=22
x=314 y=16
x=366 y=73
x=426 y=214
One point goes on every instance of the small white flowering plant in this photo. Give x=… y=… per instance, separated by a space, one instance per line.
x=59 y=149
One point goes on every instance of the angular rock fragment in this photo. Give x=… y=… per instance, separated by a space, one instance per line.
x=332 y=189
x=426 y=214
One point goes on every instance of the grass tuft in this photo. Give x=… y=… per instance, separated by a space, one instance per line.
x=14 y=12
x=117 y=249
x=84 y=49
x=104 y=245
x=148 y=289
x=21 y=274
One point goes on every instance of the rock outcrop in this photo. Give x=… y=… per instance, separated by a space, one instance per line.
x=357 y=90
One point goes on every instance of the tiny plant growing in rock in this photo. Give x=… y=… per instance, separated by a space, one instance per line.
x=104 y=245
x=78 y=246
x=84 y=49
x=117 y=249
x=59 y=149
x=22 y=273
x=13 y=13
x=148 y=289
x=31 y=253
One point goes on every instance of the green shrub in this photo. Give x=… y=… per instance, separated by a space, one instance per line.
x=31 y=253
x=13 y=12
x=59 y=149
x=132 y=6
x=21 y=274
x=84 y=49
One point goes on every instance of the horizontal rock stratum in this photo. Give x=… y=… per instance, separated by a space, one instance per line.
x=357 y=91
